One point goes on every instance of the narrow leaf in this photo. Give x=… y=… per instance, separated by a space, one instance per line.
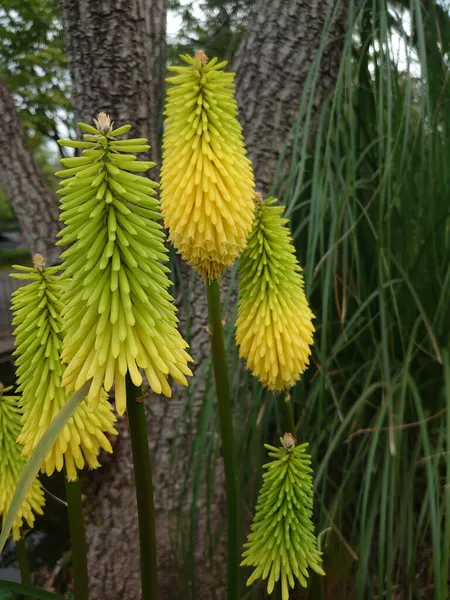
x=36 y=459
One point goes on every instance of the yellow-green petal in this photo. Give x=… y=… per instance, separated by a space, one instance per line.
x=282 y=543
x=274 y=329
x=119 y=316
x=206 y=178
x=38 y=331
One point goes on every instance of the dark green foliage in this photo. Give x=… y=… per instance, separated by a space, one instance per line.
x=33 y=65
x=218 y=32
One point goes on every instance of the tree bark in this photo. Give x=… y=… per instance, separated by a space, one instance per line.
x=272 y=66
x=116 y=52
x=32 y=201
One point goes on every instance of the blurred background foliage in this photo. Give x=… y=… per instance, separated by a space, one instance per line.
x=368 y=199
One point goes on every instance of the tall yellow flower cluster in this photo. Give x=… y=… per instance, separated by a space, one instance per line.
x=274 y=329
x=206 y=178
x=118 y=315
x=38 y=325
x=12 y=464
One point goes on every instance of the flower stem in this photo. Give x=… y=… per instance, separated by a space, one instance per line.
x=77 y=540
x=287 y=413
x=227 y=435
x=144 y=490
x=24 y=563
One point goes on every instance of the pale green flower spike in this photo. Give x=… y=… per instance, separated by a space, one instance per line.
x=118 y=315
x=274 y=329
x=36 y=316
x=282 y=542
x=12 y=464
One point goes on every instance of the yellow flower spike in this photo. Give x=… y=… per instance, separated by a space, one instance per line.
x=206 y=179
x=38 y=325
x=274 y=329
x=118 y=315
x=12 y=464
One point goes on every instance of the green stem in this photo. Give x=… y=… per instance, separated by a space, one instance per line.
x=144 y=490
x=287 y=412
x=24 y=563
x=226 y=431
x=77 y=540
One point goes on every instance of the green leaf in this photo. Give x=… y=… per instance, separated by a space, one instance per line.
x=35 y=461
x=28 y=590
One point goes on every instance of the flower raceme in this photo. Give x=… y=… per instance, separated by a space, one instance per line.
x=206 y=179
x=12 y=464
x=274 y=329
x=118 y=315
x=282 y=543
x=38 y=335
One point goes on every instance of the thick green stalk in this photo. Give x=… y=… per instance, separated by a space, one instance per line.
x=144 y=490
x=77 y=540
x=287 y=412
x=226 y=431
x=24 y=563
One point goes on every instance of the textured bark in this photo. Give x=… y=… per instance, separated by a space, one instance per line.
x=116 y=53
x=33 y=203
x=272 y=66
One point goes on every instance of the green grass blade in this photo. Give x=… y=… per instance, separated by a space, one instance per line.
x=27 y=590
x=36 y=459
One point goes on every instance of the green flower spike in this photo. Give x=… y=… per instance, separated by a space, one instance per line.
x=282 y=542
x=12 y=464
x=274 y=329
x=38 y=324
x=118 y=315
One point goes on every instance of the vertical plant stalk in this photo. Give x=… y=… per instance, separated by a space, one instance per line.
x=144 y=490
x=226 y=432
x=24 y=563
x=287 y=412
x=77 y=539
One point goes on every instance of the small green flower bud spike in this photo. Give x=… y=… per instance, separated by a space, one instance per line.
x=118 y=314
x=274 y=329
x=12 y=464
x=38 y=334
x=282 y=543
x=206 y=179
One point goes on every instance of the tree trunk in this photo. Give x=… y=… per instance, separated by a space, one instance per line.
x=116 y=52
x=32 y=201
x=272 y=67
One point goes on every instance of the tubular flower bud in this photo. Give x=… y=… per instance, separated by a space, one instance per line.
x=282 y=543
x=38 y=332
x=12 y=464
x=206 y=178
x=118 y=314
x=274 y=329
